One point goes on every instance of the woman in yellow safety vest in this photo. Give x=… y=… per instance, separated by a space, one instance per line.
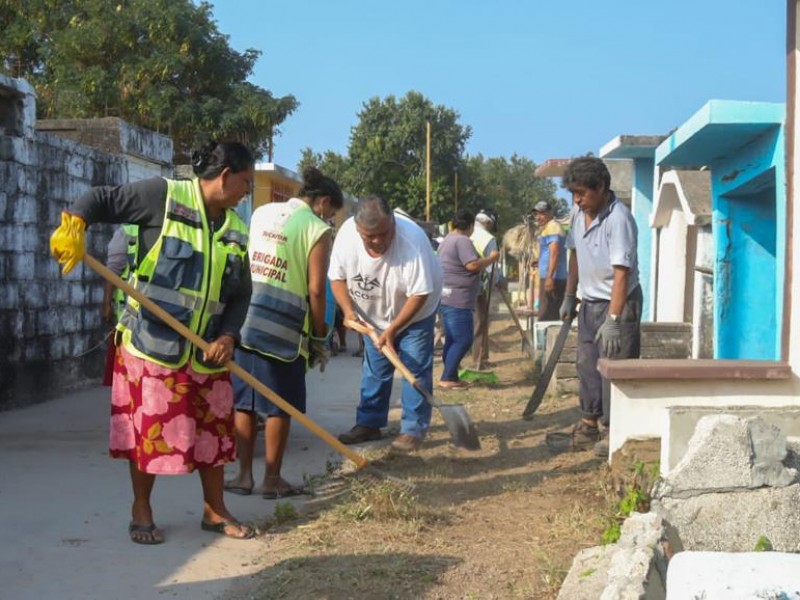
x=285 y=332
x=172 y=403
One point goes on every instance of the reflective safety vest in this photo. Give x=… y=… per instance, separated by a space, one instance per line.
x=278 y=321
x=188 y=272
x=131 y=233
x=480 y=238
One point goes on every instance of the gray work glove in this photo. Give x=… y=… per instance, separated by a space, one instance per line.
x=318 y=352
x=609 y=336
x=567 y=310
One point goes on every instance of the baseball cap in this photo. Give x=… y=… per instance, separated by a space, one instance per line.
x=541 y=206
x=487 y=213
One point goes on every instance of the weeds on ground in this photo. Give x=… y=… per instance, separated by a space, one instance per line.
x=285 y=512
x=763 y=544
x=635 y=497
x=551 y=572
x=379 y=501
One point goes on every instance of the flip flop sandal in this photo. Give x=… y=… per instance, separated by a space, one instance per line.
x=147 y=530
x=239 y=490
x=220 y=528
x=287 y=493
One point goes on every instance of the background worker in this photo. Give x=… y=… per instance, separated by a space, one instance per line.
x=172 y=404
x=485 y=243
x=121 y=258
x=552 y=262
x=285 y=332
x=604 y=268
x=384 y=267
x=461 y=267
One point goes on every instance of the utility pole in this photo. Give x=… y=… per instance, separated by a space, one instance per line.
x=428 y=171
x=455 y=169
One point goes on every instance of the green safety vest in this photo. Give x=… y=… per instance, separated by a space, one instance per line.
x=188 y=272
x=131 y=233
x=278 y=320
x=480 y=238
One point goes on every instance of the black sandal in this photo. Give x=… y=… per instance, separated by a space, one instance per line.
x=220 y=528
x=146 y=534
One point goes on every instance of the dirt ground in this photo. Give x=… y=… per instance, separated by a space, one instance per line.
x=503 y=522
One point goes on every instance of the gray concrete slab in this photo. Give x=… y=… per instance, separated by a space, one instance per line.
x=65 y=504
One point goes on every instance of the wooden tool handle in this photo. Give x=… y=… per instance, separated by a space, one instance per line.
x=195 y=339
x=525 y=340
x=387 y=350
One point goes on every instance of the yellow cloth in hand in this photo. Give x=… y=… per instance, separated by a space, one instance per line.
x=67 y=242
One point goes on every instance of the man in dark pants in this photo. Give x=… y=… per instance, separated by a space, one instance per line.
x=603 y=266
x=552 y=262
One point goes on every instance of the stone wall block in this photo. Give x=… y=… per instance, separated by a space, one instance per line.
x=23 y=266
x=32 y=295
x=8 y=235
x=9 y=295
x=26 y=209
x=97 y=294
x=80 y=343
x=60 y=347
x=6 y=148
x=24 y=151
x=35 y=349
x=50 y=322
x=77 y=293
x=23 y=184
x=25 y=324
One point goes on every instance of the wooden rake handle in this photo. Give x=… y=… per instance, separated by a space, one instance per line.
x=525 y=341
x=388 y=351
x=195 y=339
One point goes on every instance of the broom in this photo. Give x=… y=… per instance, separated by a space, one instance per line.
x=479 y=375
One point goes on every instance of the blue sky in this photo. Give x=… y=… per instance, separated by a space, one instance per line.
x=540 y=79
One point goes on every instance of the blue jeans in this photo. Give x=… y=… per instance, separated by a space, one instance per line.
x=415 y=348
x=457 y=338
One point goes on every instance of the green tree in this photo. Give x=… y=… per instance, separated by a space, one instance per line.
x=387 y=152
x=509 y=186
x=161 y=64
x=386 y=155
x=332 y=164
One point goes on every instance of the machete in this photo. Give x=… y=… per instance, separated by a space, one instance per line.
x=547 y=372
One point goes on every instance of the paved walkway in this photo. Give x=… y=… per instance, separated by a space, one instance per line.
x=65 y=505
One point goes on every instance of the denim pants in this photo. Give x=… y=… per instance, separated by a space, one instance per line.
x=414 y=346
x=457 y=338
x=594 y=390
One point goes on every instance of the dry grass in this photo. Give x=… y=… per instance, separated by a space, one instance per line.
x=504 y=522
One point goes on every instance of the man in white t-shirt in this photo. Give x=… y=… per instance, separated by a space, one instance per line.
x=384 y=268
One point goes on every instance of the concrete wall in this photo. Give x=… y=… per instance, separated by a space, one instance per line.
x=639 y=408
x=50 y=324
x=742 y=144
x=672 y=268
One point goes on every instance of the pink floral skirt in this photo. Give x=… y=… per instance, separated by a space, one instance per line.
x=170 y=421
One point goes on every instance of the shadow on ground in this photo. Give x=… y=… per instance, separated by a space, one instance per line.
x=335 y=576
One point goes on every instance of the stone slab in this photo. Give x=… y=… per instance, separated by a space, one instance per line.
x=682 y=421
x=734 y=521
x=740 y=576
x=727 y=452
x=586 y=578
